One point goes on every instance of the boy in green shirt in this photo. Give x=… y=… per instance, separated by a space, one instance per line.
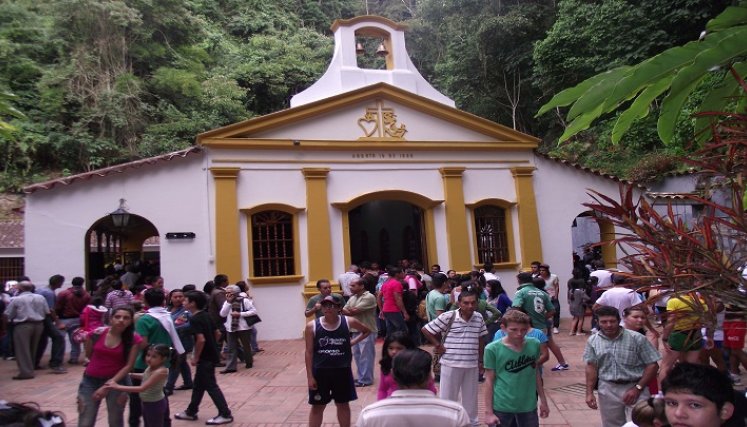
x=513 y=380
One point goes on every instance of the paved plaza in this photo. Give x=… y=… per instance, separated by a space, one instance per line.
x=274 y=392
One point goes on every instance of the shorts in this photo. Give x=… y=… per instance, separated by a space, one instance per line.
x=333 y=384
x=734 y=331
x=689 y=340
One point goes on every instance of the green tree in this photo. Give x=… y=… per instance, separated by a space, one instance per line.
x=677 y=73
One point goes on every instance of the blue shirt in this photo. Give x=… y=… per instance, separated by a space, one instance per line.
x=48 y=295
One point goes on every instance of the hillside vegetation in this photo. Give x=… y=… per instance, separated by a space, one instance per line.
x=99 y=82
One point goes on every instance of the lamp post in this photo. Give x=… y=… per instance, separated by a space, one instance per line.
x=120 y=217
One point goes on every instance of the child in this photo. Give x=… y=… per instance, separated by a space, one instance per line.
x=513 y=382
x=648 y=413
x=154 y=402
x=698 y=395
x=578 y=301
x=204 y=357
x=393 y=344
x=92 y=317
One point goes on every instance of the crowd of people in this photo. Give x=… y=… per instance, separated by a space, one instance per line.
x=134 y=342
x=479 y=333
x=443 y=334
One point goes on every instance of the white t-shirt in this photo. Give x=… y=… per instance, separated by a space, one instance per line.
x=604 y=276
x=620 y=298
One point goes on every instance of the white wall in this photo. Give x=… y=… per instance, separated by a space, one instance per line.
x=172 y=195
x=560 y=192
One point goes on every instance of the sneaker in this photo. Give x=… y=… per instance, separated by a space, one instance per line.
x=555 y=331
x=570 y=334
x=220 y=419
x=58 y=370
x=561 y=367
x=185 y=416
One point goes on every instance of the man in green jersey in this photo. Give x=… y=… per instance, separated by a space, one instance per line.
x=534 y=302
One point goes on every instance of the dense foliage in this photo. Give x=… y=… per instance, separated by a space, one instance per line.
x=104 y=81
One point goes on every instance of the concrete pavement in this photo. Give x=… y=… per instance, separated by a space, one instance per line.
x=274 y=392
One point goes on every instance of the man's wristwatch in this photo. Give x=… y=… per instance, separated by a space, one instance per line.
x=639 y=387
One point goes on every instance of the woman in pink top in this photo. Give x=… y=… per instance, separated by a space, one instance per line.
x=112 y=352
x=393 y=344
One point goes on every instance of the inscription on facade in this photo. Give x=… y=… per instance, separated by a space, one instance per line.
x=372 y=156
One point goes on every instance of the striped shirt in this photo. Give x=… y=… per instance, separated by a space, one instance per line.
x=414 y=408
x=463 y=340
x=623 y=358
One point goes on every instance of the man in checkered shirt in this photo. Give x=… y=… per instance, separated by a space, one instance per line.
x=624 y=362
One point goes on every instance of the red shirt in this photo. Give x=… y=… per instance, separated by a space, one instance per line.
x=106 y=362
x=71 y=302
x=388 y=290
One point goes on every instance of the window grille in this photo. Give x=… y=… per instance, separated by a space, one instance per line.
x=272 y=244
x=492 y=241
x=11 y=269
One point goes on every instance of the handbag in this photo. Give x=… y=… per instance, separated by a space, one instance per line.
x=437 y=357
x=252 y=320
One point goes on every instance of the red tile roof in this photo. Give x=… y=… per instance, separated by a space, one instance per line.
x=590 y=170
x=11 y=233
x=120 y=168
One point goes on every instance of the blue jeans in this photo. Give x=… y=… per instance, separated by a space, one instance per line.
x=253 y=340
x=395 y=321
x=181 y=367
x=518 y=419
x=365 y=353
x=71 y=324
x=88 y=407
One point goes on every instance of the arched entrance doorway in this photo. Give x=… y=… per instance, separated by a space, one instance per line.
x=386 y=231
x=587 y=230
x=136 y=244
x=389 y=224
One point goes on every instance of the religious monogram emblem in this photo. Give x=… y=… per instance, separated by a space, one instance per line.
x=381 y=122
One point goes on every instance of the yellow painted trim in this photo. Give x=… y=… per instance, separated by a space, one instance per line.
x=227 y=242
x=505 y=204
x=431 y=246
x=375 y=91
x=416 y=199
x=272 y=207
x=529 y=231
x=367 y=18
x=509 y=225
x=366 y=144
x=275 y=280
x=318 y=229
x=500 y=265
x=327 y=161
x=431 y=253
x=293 y=212
x=346 y=254
x=609 y=250
x=456 y=218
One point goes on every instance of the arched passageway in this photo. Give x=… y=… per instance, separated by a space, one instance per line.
x=137 y=244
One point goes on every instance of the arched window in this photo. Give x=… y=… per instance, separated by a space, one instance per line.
x=491 y=234
x=272 y=244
